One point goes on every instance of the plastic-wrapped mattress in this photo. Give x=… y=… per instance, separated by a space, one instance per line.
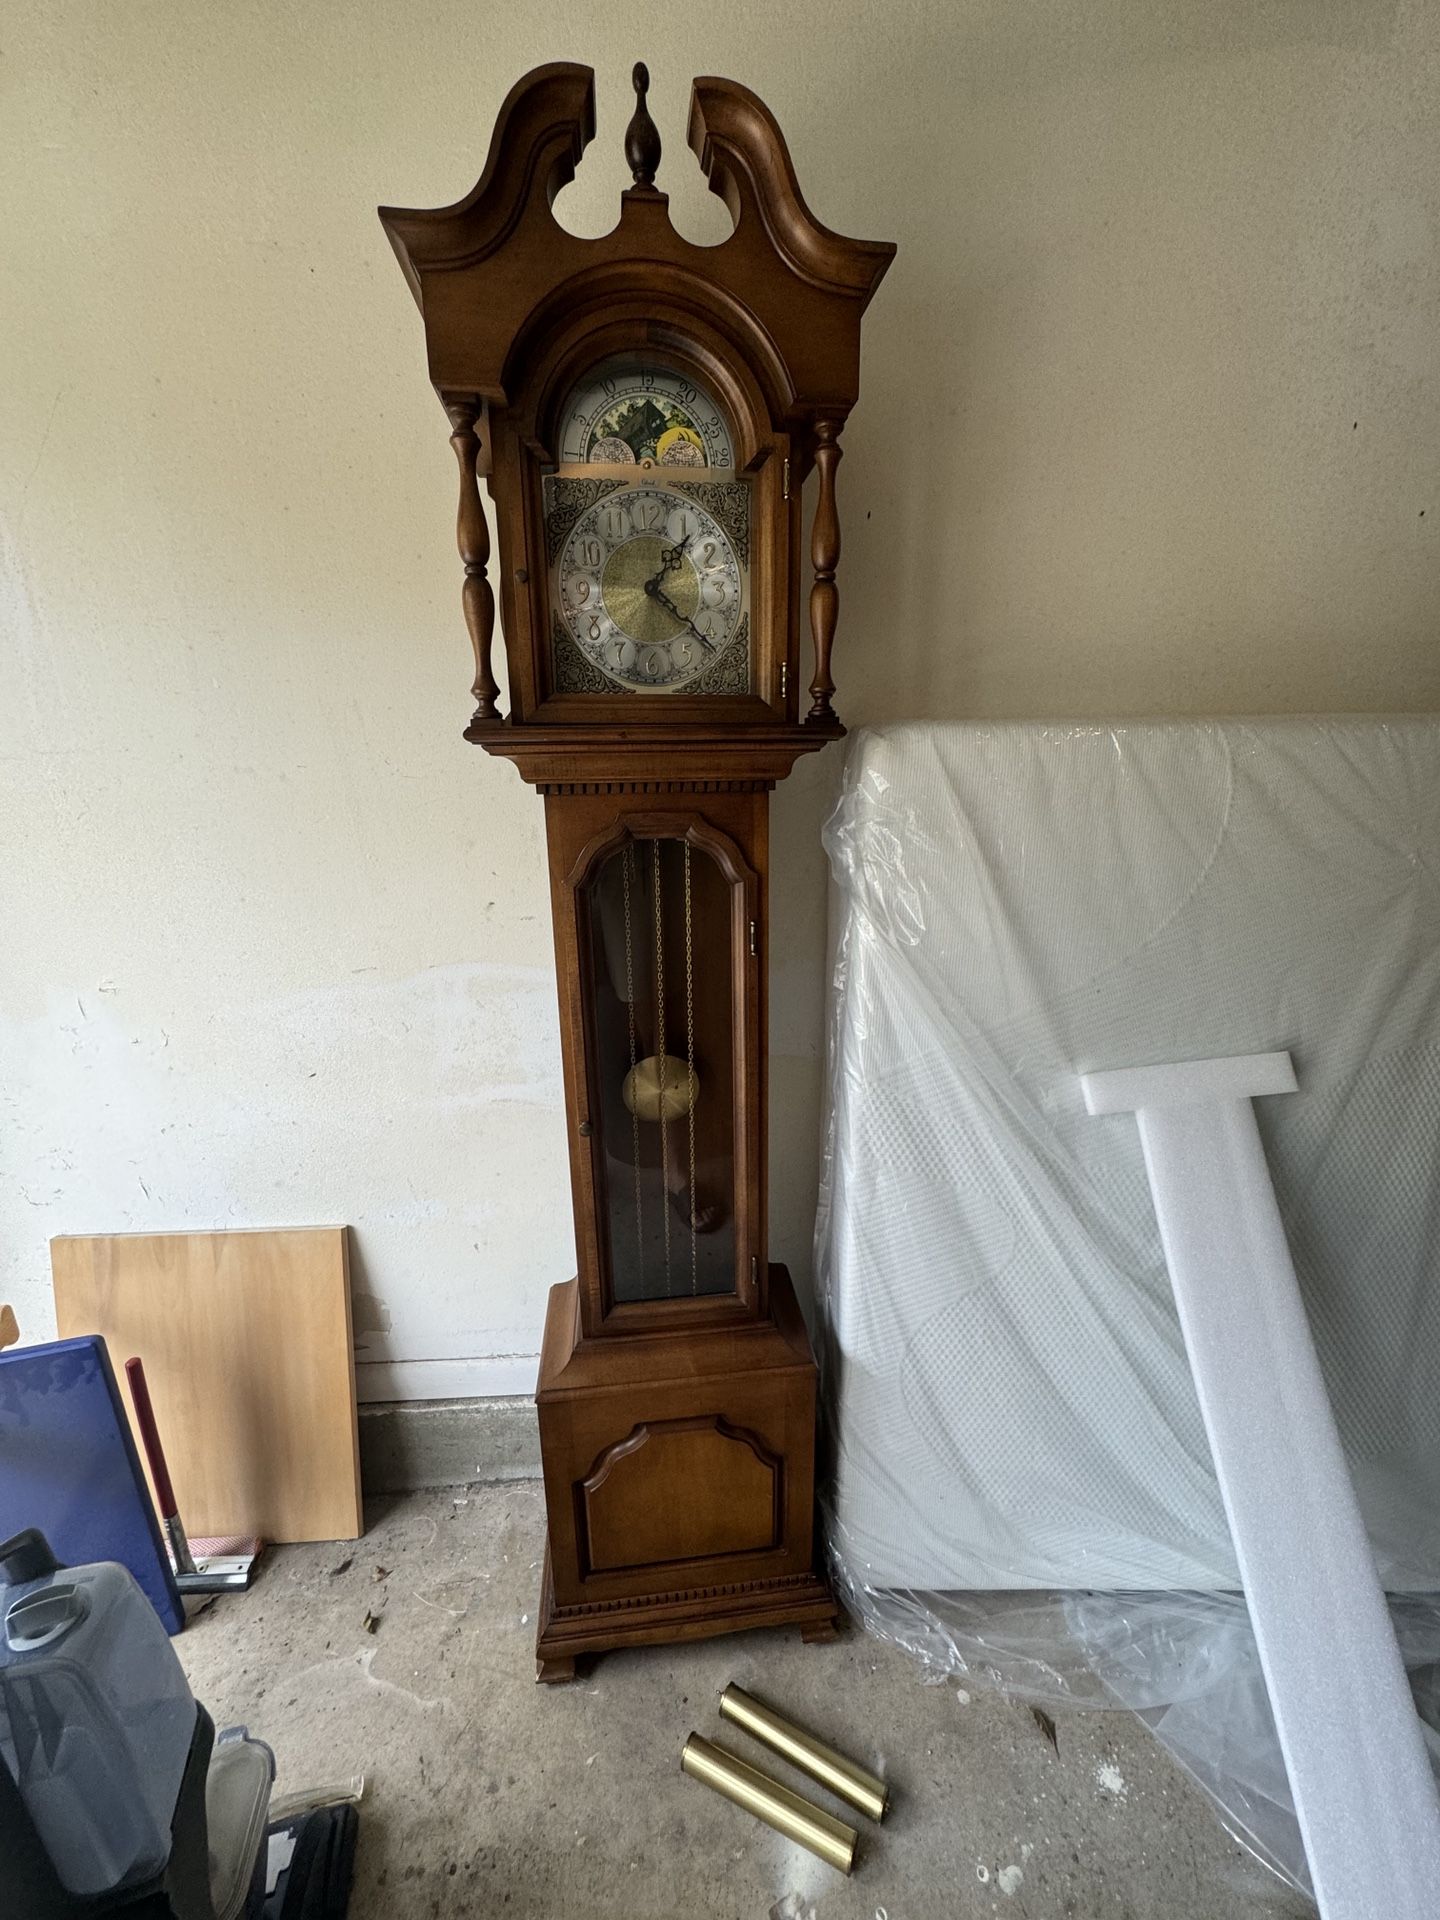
x=1010 y=1400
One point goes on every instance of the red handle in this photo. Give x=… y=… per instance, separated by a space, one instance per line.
x=150 y=1438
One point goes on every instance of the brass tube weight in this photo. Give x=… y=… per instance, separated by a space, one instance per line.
x=845 y=1778
x=798 y=1819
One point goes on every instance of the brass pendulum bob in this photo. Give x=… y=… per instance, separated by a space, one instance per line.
x=661 y=1087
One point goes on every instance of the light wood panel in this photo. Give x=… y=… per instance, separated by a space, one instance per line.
x=247 y=1346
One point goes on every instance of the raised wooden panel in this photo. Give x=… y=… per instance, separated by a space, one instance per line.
x=641 y=1504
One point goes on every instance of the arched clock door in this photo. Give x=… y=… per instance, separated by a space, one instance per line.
x=665 y=914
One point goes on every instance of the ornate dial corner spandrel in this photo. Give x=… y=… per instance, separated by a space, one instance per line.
x=573 y=672
x=729 y=502
x=731 y=672
x=566 y=500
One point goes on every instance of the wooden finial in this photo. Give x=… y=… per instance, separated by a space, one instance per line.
x=642 y=136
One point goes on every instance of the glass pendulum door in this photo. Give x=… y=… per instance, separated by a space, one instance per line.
x=660 y=915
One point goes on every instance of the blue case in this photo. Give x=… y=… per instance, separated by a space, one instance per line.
x=68 y=1466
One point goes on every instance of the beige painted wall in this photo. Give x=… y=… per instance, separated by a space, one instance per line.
x=1150 y=424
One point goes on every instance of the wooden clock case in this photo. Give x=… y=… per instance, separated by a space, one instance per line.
x=677 y=1435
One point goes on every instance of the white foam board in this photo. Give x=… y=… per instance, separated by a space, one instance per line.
x=1364 y=1793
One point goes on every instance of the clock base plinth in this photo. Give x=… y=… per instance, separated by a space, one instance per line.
x=567 y=1635
x=679 y=1483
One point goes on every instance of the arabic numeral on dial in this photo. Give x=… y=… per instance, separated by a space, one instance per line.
x=590 y=553
x=614 y=524
x=594 y=628
x=656 y=664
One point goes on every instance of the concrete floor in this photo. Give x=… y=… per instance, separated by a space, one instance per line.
x=486 y=1795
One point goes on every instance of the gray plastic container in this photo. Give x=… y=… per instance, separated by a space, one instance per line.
x=237 y=1804
x=96 y=1717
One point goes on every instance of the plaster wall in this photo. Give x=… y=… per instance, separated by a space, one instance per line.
x=1149 y=419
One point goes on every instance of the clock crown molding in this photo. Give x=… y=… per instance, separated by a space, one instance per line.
x=545 y=123
x=480 y=267
x=743 y=156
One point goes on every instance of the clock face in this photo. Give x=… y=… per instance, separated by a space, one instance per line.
x=630 y=412
x=650 y=586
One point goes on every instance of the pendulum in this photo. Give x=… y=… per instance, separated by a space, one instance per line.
x=660 y=1088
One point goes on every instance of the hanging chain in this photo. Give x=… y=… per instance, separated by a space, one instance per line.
x=690 y=1063
x=663 y=1062
x=627 y=863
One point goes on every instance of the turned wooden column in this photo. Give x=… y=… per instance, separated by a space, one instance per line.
x=825 y=558
x=472 y=536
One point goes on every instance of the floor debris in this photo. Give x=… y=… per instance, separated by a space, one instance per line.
x=502 y=1758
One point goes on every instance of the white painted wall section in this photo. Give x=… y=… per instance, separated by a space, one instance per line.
x=1149 y=407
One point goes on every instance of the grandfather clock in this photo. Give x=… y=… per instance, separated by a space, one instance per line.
x=644 y=412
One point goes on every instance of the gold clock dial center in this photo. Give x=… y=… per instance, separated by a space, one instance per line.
x=642 y=615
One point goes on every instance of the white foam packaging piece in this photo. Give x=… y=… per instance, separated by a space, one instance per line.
x=1014 y=905
x=1007 y=1387
x=1365 y=1796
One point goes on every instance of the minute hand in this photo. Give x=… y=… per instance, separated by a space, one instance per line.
x=670 y=607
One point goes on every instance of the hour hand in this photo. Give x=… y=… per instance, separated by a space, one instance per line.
x=669 y=560
x=672 y=555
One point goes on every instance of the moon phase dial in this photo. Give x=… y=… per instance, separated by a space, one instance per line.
x=631 y=412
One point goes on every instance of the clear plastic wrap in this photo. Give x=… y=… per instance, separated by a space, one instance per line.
x=1012 y=1413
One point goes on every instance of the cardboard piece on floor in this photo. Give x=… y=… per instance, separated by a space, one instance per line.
x=1364 y=1793
x=68 y=1465
x=247 y=1346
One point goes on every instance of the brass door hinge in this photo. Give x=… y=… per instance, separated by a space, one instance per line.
x=784 y=681
x=754 y=948
x=785 y=481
